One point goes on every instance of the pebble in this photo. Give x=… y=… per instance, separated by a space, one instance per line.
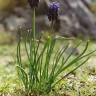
x=2 y=29
x=92 y=78
x=13 y=22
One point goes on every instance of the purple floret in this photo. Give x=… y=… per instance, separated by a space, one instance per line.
x=53 y=11
x=54 y=5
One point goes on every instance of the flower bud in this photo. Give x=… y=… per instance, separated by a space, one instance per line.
x=33 y=3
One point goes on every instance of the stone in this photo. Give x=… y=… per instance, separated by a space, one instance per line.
x=13 y=22
x=2 y=29
x=70 y=22
x=72 y=50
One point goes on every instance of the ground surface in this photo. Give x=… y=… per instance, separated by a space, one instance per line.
x=80 y=83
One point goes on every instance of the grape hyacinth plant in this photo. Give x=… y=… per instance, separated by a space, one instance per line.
x=45 y=64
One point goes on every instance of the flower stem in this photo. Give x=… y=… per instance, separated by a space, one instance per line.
x=33 y=24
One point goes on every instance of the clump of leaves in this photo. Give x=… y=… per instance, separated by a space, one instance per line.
x=45 y=64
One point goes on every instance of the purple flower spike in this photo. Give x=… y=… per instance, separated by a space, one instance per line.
x=33 y=3
x=53 y=11
x=54 y=5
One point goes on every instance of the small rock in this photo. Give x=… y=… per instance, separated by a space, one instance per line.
x=92 y=64
x=2 y=29
x=72 y=50
x=92 y=78
x=13 y=22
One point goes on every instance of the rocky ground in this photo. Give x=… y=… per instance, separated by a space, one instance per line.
x=72 y=19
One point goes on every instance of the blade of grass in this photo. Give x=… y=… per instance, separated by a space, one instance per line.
x=48 y=57
x=23 y=76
